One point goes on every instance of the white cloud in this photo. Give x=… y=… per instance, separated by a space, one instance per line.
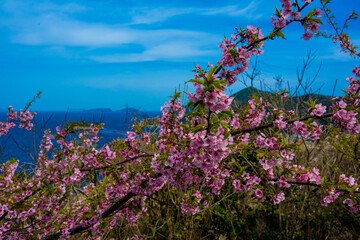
x=52 y=30
x=336 y=55
x=153 y=15
x=167 y=44
x=249 y=11
x=147 y=16
x=55 y=25
x=166 y=51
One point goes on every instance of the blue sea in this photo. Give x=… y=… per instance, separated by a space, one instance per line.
x=19 y=143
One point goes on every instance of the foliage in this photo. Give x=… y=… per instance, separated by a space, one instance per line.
x=209 y=170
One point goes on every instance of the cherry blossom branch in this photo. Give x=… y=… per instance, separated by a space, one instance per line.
x=297 y=183
x=116 y=164
x=272 y=123
x=250 y=46
x=78 y=229
x=318 y=185
x=18 y=204
x=341 y=36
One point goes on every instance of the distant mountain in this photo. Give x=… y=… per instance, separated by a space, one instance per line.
x=243 y=96
x=97 y=110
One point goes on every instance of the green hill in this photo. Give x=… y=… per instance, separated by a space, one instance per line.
x=242 y=97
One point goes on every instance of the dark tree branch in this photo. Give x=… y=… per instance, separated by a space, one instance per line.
x=272 y=124
x=78 y=229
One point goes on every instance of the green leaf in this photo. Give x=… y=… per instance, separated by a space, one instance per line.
x=212 y=71
x=233 y=53
x=217 y=85
x=317 y=20
x=189 y=104
x=281 y=34
x=200 y=104
x=198 y=128
x=225 y=125
x=222 y=82
x=310 y=14
x=323 y=180
x=177 y=95
x=271 y=35
x=197 y=81
x=277 y=12
x=228 y=112
x=226 y=135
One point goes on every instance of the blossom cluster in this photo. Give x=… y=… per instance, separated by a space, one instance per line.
x=198 y=149
x=24 y=118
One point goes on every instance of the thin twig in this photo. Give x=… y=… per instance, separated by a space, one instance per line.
x=116 y=164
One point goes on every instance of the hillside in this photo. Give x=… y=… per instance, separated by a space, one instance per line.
x=242 y=97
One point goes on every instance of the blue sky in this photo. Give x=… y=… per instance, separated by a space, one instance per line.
x=90 y=54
